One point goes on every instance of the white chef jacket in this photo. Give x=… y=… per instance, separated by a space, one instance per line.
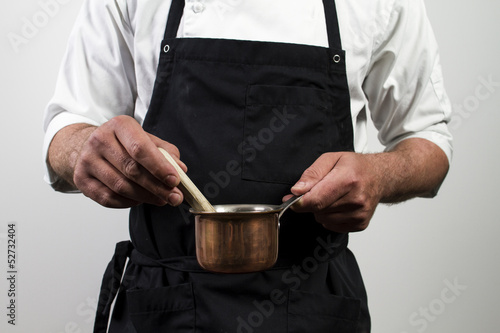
x=392 y=60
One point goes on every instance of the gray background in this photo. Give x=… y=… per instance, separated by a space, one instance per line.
x=409 y=255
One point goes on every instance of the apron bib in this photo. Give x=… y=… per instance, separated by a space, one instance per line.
x=248 y=118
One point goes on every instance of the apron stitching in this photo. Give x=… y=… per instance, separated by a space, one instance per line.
x=301 y=67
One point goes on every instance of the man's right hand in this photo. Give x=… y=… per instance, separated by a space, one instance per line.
x=117 y=164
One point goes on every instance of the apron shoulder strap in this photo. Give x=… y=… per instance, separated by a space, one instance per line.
x=332 y=24
x=174 y=18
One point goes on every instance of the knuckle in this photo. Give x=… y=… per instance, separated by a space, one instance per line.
x=173 y=150
x=83 y=162
x=101 y=196
x=359 y=226
x=120 y=186
x=117 y=121
x=318 y=205
x=136 y=150
x=312 y=173
x=131 y=169
x=78 y=179
x=105 y=199
x=361 y=221
x=81 y=178
x=97 y=139
x=352 y=181
x=360 y=200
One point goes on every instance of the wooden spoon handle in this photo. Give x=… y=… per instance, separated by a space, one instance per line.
x=191 y=193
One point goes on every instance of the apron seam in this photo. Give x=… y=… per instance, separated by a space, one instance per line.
x=301 y=67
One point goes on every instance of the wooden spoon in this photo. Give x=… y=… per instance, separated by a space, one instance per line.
x=191 y=193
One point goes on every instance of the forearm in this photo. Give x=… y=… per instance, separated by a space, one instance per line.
x=65 y=149
x=343 y=189
x=414 y=168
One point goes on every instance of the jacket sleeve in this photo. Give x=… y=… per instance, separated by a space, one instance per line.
x=404 y=83
x=96 y=81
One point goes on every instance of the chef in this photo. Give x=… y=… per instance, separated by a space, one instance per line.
x=256 y=100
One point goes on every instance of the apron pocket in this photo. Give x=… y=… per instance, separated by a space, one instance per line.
x=165 y=309
x=284 y=132
x=240 y=303
x=319 y=313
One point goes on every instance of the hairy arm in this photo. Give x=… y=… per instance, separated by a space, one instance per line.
x=414 y=168
x=343 y=189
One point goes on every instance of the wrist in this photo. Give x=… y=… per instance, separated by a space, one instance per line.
x=382 y=170
x=64 y=151
x=414 y=168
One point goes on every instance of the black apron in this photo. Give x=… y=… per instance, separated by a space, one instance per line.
x=248 y=118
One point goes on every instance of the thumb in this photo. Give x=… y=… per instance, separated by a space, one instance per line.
x=315 y=173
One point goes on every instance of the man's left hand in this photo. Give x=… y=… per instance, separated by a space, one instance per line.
x=341 y=189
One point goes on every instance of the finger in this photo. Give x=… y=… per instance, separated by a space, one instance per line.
x=158 y=196
x=126 y=176
x=315 y=173
x=324 y=195
x=101 y=194
x=170 y=148
x=286 y=197
x=114 y=180
x=130 y=179
x=144 y=151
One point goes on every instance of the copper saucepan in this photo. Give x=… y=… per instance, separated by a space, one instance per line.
x=232 y=238
x=238 y=238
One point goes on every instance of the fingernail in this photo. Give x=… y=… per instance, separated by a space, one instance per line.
x=171 y=181
x=299 y=186
x=174 y=199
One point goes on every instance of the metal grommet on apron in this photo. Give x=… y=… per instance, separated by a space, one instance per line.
x=240 y=113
